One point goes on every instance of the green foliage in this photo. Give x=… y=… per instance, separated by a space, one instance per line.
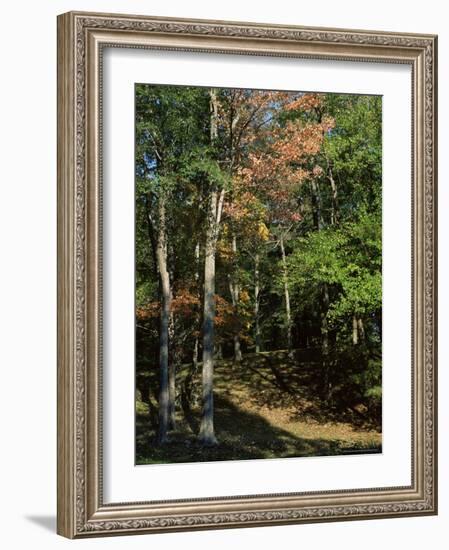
x=145 y=292
x=330 y=220
x=348 y=259
x=354 y=150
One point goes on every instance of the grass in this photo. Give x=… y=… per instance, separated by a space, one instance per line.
x=265 y=407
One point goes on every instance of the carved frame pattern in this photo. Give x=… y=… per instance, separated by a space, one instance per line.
x=81 y=37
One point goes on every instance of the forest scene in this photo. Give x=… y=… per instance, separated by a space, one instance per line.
x=258 y=293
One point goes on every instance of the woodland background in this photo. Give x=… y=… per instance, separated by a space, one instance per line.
x=258 y=273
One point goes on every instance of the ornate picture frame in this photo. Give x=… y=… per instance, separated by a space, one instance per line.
x=82 y=511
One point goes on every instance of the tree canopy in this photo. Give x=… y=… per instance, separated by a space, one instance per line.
x=258 y=229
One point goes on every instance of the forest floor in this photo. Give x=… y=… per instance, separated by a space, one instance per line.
x=265 y=407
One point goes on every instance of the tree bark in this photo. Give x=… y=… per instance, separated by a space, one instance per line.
x=335 y=211
x=324 y=323
x=174 y=345
x=257 y=303
x=324 y=326
x=161 y=253
x=317 y=211
x=358 y=329
x=197 y=282
x=288 y=315
x=355 y=331
x=361 y=328
x=190 y=392
x=172 y=393
x=207 y=433
x=325 y=342
x=218 y=351
x=235 y=293
x=152 y=238
x=237 y=350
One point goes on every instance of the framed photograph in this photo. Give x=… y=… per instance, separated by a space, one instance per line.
x=246 y=274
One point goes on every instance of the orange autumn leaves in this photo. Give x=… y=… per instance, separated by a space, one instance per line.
x=186 y=304
x=278 y=171
x=269 y=161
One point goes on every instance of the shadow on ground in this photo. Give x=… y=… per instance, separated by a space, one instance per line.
x=241 y=434
x=267 y=406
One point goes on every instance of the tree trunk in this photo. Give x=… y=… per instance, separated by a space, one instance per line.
x=195 y=352
x=335 y=212
x=198 y=292
x=324 y=323
x=161 y=253
x=355 y=331
x=173 y=348
x=237 y=350
x=257 y=303
x=361 y=328
x=327 y=386
x=207 y=434
x=288 y=315
x=189 y=391
x=172 y=394
x=358 y=329
x=218 y=351
x=235 y=293
x=324 y=326
x=316 y=200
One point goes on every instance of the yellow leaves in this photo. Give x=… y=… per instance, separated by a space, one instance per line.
x=224 y=250
x=263 y=232
x=328 y=123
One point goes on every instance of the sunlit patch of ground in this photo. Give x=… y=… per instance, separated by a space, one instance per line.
x=264 y=408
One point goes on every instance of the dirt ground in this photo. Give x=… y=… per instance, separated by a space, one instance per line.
x=265 y=407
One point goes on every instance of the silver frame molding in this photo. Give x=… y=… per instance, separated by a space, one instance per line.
x=81 y=511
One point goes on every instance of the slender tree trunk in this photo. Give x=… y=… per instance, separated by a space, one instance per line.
x=207 y=434
x=358 y=329
x=173 y=348
x=195 y=353
x=152 y=237
x=161 y=253
x=325 y=341
x=355 y=331
x=324 y=323
x=335 y=211
x=197 y=282
x=189 y=391
x=172 y=394
x=335 y=216
x=324 y=326
x=361 y=328
x=257 y=303
x=316 y=199
x=288 y=315
x=237 y=350
x=218 y=353
x=235 y=294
